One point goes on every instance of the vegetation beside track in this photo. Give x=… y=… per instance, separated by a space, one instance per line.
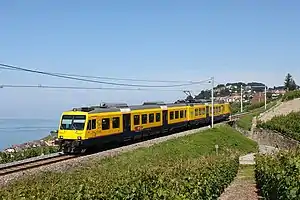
x=245 y=121
x=181 y=168
x=290 y=95
x=286 y=124
x=6 y=157
x=278 y=175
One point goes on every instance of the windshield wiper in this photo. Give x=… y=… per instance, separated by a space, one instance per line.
x=74 y=128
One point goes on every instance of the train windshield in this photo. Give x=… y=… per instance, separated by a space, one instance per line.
x=73 y=122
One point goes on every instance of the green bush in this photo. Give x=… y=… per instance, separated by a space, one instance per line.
x=278 y=177
x=290 y=95
x=182 y=168
x=286 y=124
x=27 y=153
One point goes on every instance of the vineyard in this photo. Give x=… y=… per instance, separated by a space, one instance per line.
x=278 y=177
x=6 y=157
x=182 y=168
x=288 y=125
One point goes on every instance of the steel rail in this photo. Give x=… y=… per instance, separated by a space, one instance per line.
x=9 y=169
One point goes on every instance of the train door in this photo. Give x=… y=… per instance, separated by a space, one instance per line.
x=165 y=118
x=207 y=114
x=126 y=122
x=92 y=127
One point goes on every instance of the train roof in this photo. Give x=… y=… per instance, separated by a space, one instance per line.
x=123 y=107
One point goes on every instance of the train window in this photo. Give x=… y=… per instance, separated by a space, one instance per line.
x=184 y=114
x=200 y=111
x=144 y=118
x=116 y=122
x=157 y=117
x=89 y=125
x=196 y=112
x=93 y=124
x=172 y=115
x=176 y=114
x=151 y=118
x=136 y=120
x=181 y=114
x=105 y=123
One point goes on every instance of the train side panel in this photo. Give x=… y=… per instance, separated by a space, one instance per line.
x=177 y=117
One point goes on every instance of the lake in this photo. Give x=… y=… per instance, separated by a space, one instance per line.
x=17 y=131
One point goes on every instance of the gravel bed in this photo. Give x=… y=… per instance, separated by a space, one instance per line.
x=80 y=161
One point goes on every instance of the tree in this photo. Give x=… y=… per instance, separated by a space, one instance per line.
x=289 y=83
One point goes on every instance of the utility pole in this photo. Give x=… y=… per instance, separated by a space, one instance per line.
x=212 y=102
x=241 y=99
x=265 y=97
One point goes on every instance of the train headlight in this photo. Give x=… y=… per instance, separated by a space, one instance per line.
x=60 y=137
x=79 y=138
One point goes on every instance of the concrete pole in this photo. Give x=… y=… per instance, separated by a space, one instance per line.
x=265 y=97
x=212 y=102
x=241 y=99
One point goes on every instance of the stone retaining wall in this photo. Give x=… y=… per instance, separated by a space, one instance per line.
x=272 y=138
x=268 y=137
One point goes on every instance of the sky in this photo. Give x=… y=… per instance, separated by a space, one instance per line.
x=162 y=40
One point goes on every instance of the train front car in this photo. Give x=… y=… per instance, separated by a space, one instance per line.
x=72 y=131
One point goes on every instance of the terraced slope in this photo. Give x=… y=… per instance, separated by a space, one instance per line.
x=282 y=108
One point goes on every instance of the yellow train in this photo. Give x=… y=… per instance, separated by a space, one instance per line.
x=88 y=127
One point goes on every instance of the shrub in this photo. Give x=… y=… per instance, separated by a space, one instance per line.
x=6 y=157
x=278 y=177
x=290 y=95
x=286 y=124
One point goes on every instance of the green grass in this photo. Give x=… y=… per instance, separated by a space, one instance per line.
x=181 y=168
x=245 y=122
x=247 y=172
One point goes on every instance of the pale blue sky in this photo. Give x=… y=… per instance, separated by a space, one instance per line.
x=175 y=40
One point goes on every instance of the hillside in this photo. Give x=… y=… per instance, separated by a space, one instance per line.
x=282 y=108
x=147 y=173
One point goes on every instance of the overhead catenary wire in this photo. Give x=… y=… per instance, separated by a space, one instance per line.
x=66 y=76
x=114 y=78
x=85 y=88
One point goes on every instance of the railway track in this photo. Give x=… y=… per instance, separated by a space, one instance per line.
x=24 y=165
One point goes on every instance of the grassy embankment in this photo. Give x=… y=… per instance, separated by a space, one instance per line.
x=245 y=121
x=182 y=168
